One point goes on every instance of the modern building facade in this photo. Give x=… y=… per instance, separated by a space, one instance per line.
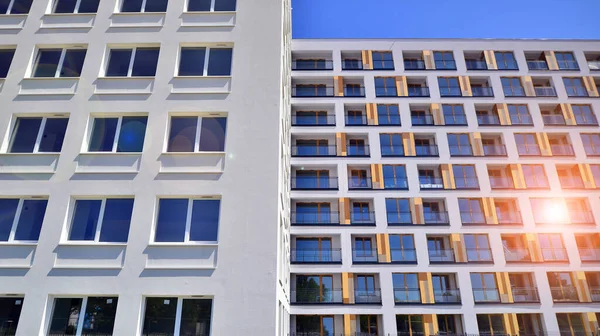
x=445 y=187
x=142 y=170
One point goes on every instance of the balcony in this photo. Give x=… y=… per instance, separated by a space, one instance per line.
x=403 y=256
x=317 y=296
x=521 y=120
x=431 y=183
x=545 y=91
x=517 y=255
x=455 y=120
x=422 y=120
x=312 y=91
x=365 y=256
x=472 y=218
x=312 y=64
x=414 y=65
x=383 y=65
x=461 y=151
x=467 y=183
x=486 y=295
x=360 y=183
x=427 y=151
x=488 y=120
x=356 y=120
x=450 y=91
x=315 y=218
x=494 y=150
x=581 y=217
x=562 y=150
x=407 y=296
x=564 y=294
x=589 y=254
x=316 y=256
x=501 y=182
x=537 y=65
x=445 y=65
x=576 y=91
x=479 y=255
x=568 y=65
x=571 y=182
x=314 y=183
x=392 y=151
x=509 y=217
x=395 y=183
x=352 y=64
x=399 y=218
x=418 y=91
x=362 y=218
x=358 y=150
x=441 y=256
x=555 y=254
x=594 y=65
x=314 y=150
x=514 y=91
x=354 y=91
x=439 y=218
x=554 y=119
x=447 y=296
x=319 y=120
x=525 y=294
x=595 y=293
x=529 y=150
x=370 y=296
x=482 y=91
x=474 y=64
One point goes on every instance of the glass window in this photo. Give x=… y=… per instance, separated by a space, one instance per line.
x=38 y=135
x=460 y=144
x=211 y=5
x=506 y=60
x=527 y=144
x=21 y=219
x=75 y=6
x=410 y=325
x=118 y=134
x=10 y=312
x=59 y=62
x=201 y=61
x=535 y=176
x=385 y=87
x=144 y=6
x=478 y=247
x=491 y=324
x=465 y=176
x=174 y=224
x=162 y=314
x=391 y=144
x=449 y=86
x=471 y=211
x=566 y=60
x=596 y=174
x=6 y=57
x=444 y=60
x=591 y=143
x=383 y=60
x=105 y=220
x=398 y=211
x=134 y=62
x=570 y=324
x=512 y=87
x=15 y=6
x=519 y=115
x=454 y=114
x=197 y=134
x=99 y=317
x=575 y=87
x=394 y=177
x=584 y=115
x=388 y=114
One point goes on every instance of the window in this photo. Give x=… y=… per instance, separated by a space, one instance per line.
x=478 y=248
x=535 y=176
x=570 y=324
x=398 y=211
x=519 y=115
x=527 y=144
x=449 y=86
x=136 y=62
x=314 y=213
x=385 y=87
x=197 y=134
x=465 y=177
x=383 y=60
x=355 y=118
x=314 y=288
x=484 y=287
x=562 y=286
x=6 y=57
x=388 y=114
x=38 y=135
x=447 y=323
x=58 y=63
x=306 y=118
x=211 y=5
x=357 y=147
x=566 y=61
x=402 y=247
x=315 y=325
x=512 y=87
x=368 y=324
x=410 y=325
x=101 y=220
x=552 y=247
x=187 y=220
x=444 y=60
x=471 y=211
x=15 y=6
x=394 y=177
x=10 y=312
x=177 y=316
x=491 y=324
x=596 y=174
x=68 y=317
x=406 y=287
x=575 y=87
x=75 y=6
x=460 y=144
x=584 y=115
x=144 y=6
x=118 y=134
x=454 y=115
x=506 y=60
x=591 y=143
x=315 y=250
x=205 y=61
x=21 y=219
x=391 y=144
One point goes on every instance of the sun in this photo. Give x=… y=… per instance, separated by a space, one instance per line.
x=556 y=213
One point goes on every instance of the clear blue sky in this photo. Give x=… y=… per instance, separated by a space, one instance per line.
x=446 y=18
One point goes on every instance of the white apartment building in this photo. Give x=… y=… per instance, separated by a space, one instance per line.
x=142 y=169
x=445 y=187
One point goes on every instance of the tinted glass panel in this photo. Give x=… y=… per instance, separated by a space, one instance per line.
x=172 y=214
x=47 y=63
x=131 y=6
x=145 y=62
x=53 y=135
x=183 y=134
x=65 y=316
x=30 y=221
x=192 y=61
x=100 y=316
x=65 y=6
x=25 y=135
x=85 y=219
x=205 y=220
x=103 y=134
x=21 y=6
x=116 y=220
x=4 y=6
x=132 y=134
x=195 y=317
x=219 y=62
x=212 y=134
x=73 y=63
x=199 y=5
x=156 y=5
x=89 y=6
x=6 y=56
x=118 y=63
x=225 y=5
x=10 y=311
x=8 y=210
x=159 y=318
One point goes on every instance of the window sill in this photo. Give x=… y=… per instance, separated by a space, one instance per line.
x=89 y=255
x=28 y=163
x=12 y=21
x=137 y=20
x=51 y=78
x=123 y=85
x=192 y=162
x=68 y=20
x=201 y=84
x=18 y=243
x=108 y=163
x=208 y=19
x=193 y=153
x=17 y=254
x=91 y=244
x=191 y=255
x=190 y=244
x=49 y=86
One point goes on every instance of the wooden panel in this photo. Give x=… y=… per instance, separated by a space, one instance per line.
x=476 y=144
x=372 y=118
x=504 y=287
x=528 y=86
x=533 y=245
x=448 y=176
x=426 y=288
x=416 y=210
x=503 y=115
x=428 y=59
x=430 y=324
x=460 y=253
x=347 y=288
x=489 y=209
x=340 y=141
x=511 y=324
x=383 y=248
x=401 y=86
x=590 y=86
x=438 y=116
x=516 y=171
x=586 y=175
x=583 y=289
x=490 y=59
x=339 y=85
x=567 y=112
x=408 y=142
x=465 y=86
x=590 y=323
x=367 y=56
x=551 y=60
x=377 y=176
x=344 y=210
x=542 y=139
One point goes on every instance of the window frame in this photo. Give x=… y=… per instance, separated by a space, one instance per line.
x=7 y=49
x=61 y=62
x=82 y=310
x=539 y=179
x=506 y=62
x=90 y=132
x=133 y=48
x=142 y=7
x=211 y=10
x=54 y=3
x=198 y=134
x=387 y=89
x=18 y=213
x=207 y=52
x=188 y=221
x=12 y=129
x=100 y=221
x=11 y=5
x=178 y=310
x=453 y=110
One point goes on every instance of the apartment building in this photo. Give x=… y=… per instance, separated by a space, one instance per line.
x=140 y=165
x=445 y=187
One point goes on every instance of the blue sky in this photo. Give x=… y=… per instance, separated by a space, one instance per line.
x=446 y=18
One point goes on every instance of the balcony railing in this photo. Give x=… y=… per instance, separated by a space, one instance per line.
x=418 y=91
x=326 y=120
x=521 y=119
x=575 y=331
x=509 y=217
x=516 y=254
x=529 y=150
x=486 y=295
x=353 y=64
x=356 y=120
x=576 y=91
x=461 y=151
x=594 y=65
x=589 y=254
x=354 y=91
x=414 y=65
x=488 y=120
x=383 y=65
x=426 y=182
x=398 y=183
x=494 y=150
x=472 y=218
x=399 y=218
x=422 y=120
x=391 y=151
x=383 y=91
x=555 y=254
x=314 y=150
x=473 y=64
x=312 y=91
x=362 y=218
x=316 y=256
x=510 y=91
x=315 y=218
x=553 y=119
x=482 y=255
x=590 y=120
x=508 y=65
x=445 y=65
x=583 y=217
x=568 y=65
x=450 y=91
x=537 y=65
x=591 y=150
x=436 y=217
x=314 y=183
x=441 y=256
x=302 y=65
x=407 y=295
x=406 y=256
x=482 y=91
x=562 y=150
x=525 y=294
x=368 y=296
x=364 y=256
x=388 y=120
x=358 y=150
x=595 y=293
x=466 y=182
x=564 y=294
x=544 y=91
x=502 y=182
x=360 y=183
x=571 y=182
x=446 y=296
x=427 y=150
x=317 y=296
x=455 y=120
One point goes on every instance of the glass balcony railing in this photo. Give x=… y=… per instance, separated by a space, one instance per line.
x=581 y=217
x=525 y=294
x=591 y=150
x=354 y=91
x=521 y=119
x=544 y=91
x=486 y=295
x=488 y=120
x=313 y=183
x=473 y=64
x=308 y=64
x=501 y=182
x=562 y=150
x=422 y=120
x=595 y=293
x=482 y=91
x=589 y=254
x=537 y=65
x=398 y=183
x=455 y=120
x=564 y=293
x=312 y=91
x=442 y=296
x=383 y=65
x=494 y=150
x=362 y=218
x=384 y=91
x=389 y=120
x=510 y=91
x=426 y=182
x=367 y=296
x=356 y=120
x=418 y=91
x=404 y=256
x=414 y=65
x=315 y=218
x=507 y=65
x=529 y=150
x=461 y=151
x=466 y=182
x=509 y=217
x=352 y=64
x=553 y=119
x=594 y=65
x=555 y=254
x=472 y=218
x=427 y=150
x=364 y=256
x=576 y=91
x=568 y=65
x=450 y=91
x=358 y=150
x=517 y=254
x=445 y=65
x=571 y=182
x=318 y=295
x=325 y=120
x=391 y=151
x=590 y=120
x=441 y=256
x=314 y=150
x=316 y=256
x=360 y=183
x=399 y=218
x=407 y=295
x=436 y=217
x=482 y=255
